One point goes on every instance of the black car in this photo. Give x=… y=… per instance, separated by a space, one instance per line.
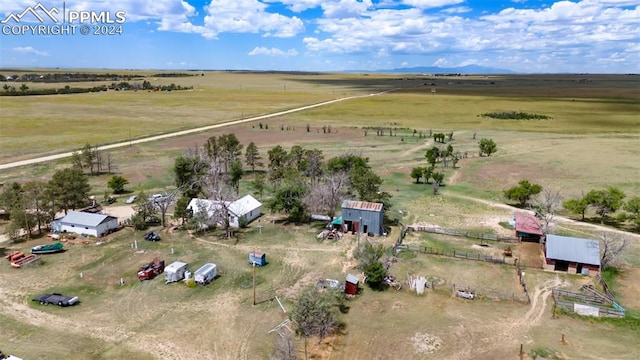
x=57 y=299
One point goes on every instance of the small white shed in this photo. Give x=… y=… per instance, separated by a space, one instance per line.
x=85 y=223
x=175 y=271
x=205 y=274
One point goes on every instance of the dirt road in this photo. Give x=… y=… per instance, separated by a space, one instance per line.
x=186 y=132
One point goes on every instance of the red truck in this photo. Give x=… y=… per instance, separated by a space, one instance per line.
x=151 y=270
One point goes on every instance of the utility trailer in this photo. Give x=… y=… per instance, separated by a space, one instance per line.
x=205 y=274
x=175 y=271
x=57 y=299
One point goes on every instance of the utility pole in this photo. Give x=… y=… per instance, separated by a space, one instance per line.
x=254 y=280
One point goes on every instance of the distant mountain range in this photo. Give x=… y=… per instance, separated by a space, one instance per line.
x=468 y=69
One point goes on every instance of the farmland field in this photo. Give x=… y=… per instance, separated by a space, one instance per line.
x=591 y=141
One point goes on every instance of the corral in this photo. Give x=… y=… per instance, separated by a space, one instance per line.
x=388 y=324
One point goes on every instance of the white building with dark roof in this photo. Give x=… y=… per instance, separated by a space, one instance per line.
x=573 y=255
x=85 y=223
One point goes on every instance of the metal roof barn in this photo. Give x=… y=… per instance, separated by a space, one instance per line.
x=565 y=248
x=364 y=217
x=85 y=223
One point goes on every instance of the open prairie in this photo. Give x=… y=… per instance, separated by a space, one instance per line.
x=591 y=141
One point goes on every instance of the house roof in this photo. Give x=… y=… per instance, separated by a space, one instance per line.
x=527 y=223
x=85 y=219
x=584 y=251
x=244 y=205
x=362 y=205
x=352 y=279
x=239 y=207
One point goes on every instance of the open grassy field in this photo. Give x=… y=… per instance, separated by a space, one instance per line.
x=592 y=141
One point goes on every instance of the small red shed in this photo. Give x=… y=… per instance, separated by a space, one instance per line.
x=351 y=285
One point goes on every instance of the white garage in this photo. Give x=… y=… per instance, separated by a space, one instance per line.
x=85 y=223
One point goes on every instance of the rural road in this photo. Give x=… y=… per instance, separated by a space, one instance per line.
x=186 y=132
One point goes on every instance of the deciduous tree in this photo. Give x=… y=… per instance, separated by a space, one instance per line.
x=117 y=183
x=577 y=206
x=605 y=201
x=612 y=250
x=487 y=146
x=523 y=192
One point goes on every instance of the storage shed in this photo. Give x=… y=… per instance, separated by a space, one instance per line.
x=257 y=258
x=573 y=255
x=364 y=217
x=527 y=227
x=351 y=285
x=175 y=271
x=85 y=223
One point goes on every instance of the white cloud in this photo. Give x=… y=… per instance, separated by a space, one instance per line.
x=29 y=50
x=260 y=50
x=249 y=16
x=430 y=4
x=457 y=10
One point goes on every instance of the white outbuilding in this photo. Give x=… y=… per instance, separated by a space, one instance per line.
x=85 y=223
x=246 y=209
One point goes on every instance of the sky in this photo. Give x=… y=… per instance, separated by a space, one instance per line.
x=523 y=36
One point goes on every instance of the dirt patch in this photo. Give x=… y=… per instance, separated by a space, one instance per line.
x=309 y=278
x=122 y=212
x=529 y=253
x=629 y=287
x=424 y=343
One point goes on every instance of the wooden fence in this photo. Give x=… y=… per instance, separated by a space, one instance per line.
x=520 y=273
x=492 y=294
x=467 y=234
x=463 y=255
x=591 y=304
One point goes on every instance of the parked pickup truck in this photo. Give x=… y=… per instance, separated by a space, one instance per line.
x=57 y=299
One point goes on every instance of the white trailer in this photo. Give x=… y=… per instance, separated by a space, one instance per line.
x=175 y=271
x=206 y=274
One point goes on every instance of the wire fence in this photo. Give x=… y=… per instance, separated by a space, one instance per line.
x=461 y=233
x=473 y=292
x=588 y=304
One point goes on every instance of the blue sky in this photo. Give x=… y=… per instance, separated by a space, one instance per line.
x=527 y=36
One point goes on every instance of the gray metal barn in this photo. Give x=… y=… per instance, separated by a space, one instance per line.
x=362 y=216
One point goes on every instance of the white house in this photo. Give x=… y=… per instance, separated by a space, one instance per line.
x=85 y=223
x=246 y=207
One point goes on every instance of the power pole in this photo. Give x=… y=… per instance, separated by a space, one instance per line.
x=254 y=280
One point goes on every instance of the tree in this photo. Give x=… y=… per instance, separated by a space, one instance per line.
x=487 y=146
x=189 y=171
x=546 y=206
x=314 y=167
x=252 y=156
x=144 y=209
x=437 y=181
x=12 y=197
x=613 y=248
x=605 y=201
x=181 y=212
x=258 y=185
x=36 y=200
x=633 y=207
x=417 y=173
x=576 y=206
x=432 y=156
x=325 y=196
x=522 y=192
x=88 y=156
x=235 y=174
x=277 y=164
x=76 y=160
x=230 y=149
x=24 y=88
x=117 y=183
x=289 y=197
x=69 y=189
x=315 y=313
x=375 y=274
